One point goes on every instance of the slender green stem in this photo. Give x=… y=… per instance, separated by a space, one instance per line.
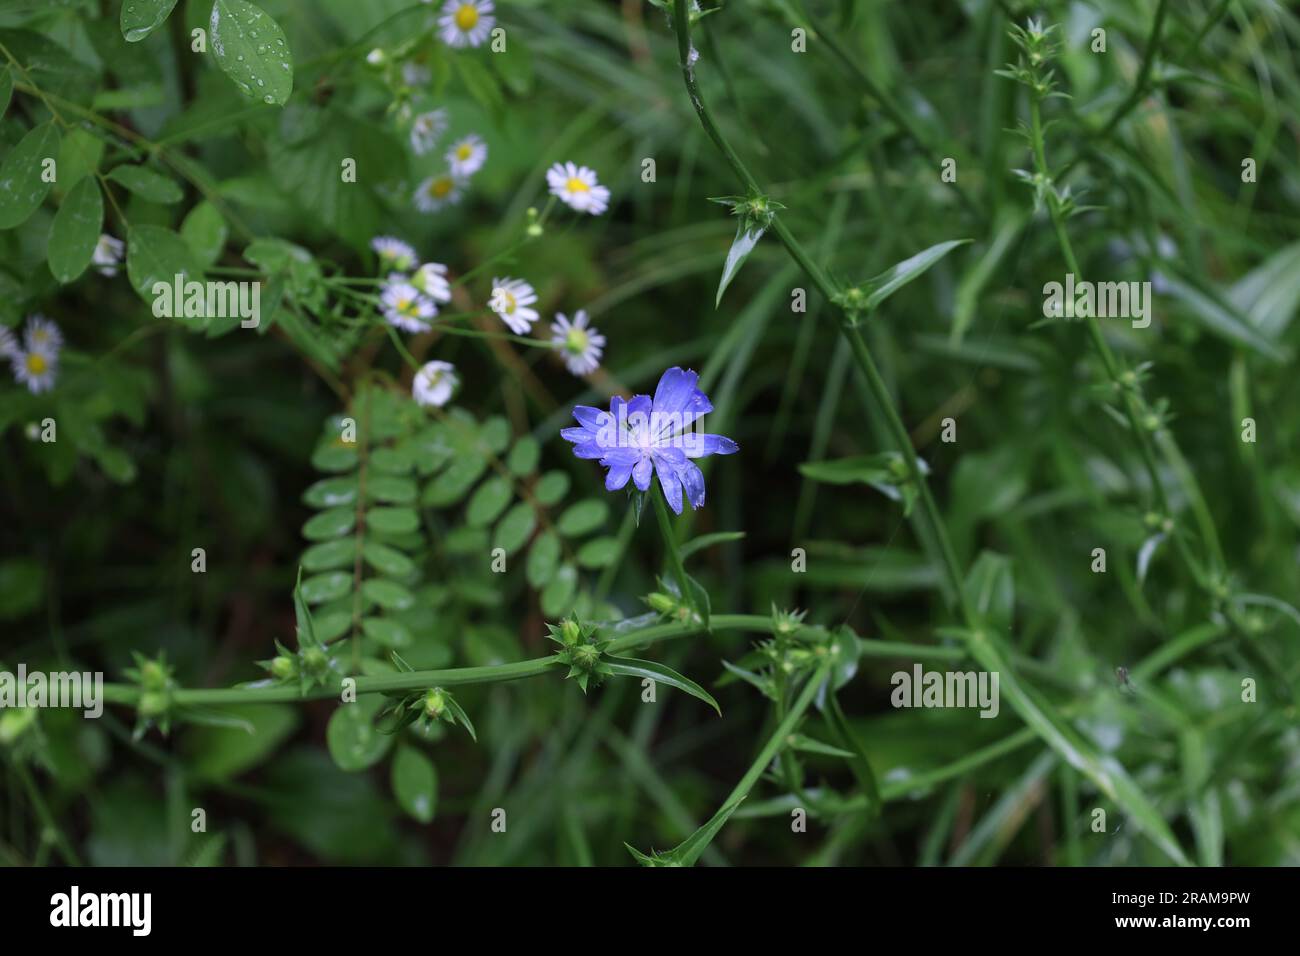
x=876 y=384
x=49 y=826
x=779 y=737
x=672 y=550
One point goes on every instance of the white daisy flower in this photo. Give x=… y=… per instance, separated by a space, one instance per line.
x=394 y=253
x=427 y=129
x=108 y=255
x=467 y=156
x=437 y=192
x=578 y=343
x=466 y=22
x=434 y=384
x=42 y=336
x=36 y=370
x=578 y=188
x=510 y=300
x=8 y=344
x=406 y=309
x=431 y=279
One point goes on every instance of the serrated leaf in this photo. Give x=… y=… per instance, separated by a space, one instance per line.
x=251 y=49
x=75 y=230
x=23 y=184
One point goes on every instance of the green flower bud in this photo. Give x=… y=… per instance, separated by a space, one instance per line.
x=153 y=704
x=586 y=656
x=435 y=703
x=663 y=603
x=315 y=660
x=283 y=668
x=570 y=632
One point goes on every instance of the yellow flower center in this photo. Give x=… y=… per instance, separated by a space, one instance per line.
x=576 y=185
x=576 y=341
x=467 y=16
x=508 y=301
x=440 y=187
x=406 y=306
x=464 y=151
x=36 y=363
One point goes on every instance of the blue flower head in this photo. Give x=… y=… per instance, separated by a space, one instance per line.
x=658 y=436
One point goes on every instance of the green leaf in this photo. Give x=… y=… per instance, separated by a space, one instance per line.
x=205 y=230
x=326 y=587
x=415 y=783
x=220 y=753
x=147 y=184
x=23 y=185
x=524 y=457
x=692 y=848
x=75 y=230
x=487 y=503
x=328 y=555
x=991 y=590
x=480 y=82
x=891 y=280
x=393 y=520
x=140 y=18
x=6 y=88
x=154 y=255
x=865 y=469
x=746 y=239
x=598 y=552
x=330 y=524
x=553 y=486
x=391 y=489
x=388 y=632
x=557 y=597
x=709 y=540
x=389 y=595
x=387 y=560
x=583 y=517
x=513 y=530
x=251 y=49
x=332 y=492
x=631 y=667
x=543 y=559
x=353 y=740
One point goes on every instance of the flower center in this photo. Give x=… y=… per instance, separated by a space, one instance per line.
x=405 y=306
x=576 y=185
x=440 y=187
x=467 y=16
x=576 y=341
x=509 y=302
x=463 y=151
x=35 y=363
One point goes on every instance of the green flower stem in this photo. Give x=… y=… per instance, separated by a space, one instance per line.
x=50 y=826
x=780 y=736
x=672 y=550
x=497 y=673
x=1128 y=394
x=876 y=384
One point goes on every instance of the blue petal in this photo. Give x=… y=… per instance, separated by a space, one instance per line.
x=588 y=417
x=692 y=482
x=671 y=485
x=621 y=456
x=591 y=449
x=675 y=389
x=577 y=434
x=642 y=472
x=702 y=446
x=617 y=477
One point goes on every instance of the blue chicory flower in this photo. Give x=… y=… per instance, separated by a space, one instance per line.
x=643 y=436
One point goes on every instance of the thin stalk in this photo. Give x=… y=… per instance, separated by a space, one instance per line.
x=673 y=551
x=862 y=355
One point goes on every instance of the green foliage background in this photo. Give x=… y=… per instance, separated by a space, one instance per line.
x=174 y=435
